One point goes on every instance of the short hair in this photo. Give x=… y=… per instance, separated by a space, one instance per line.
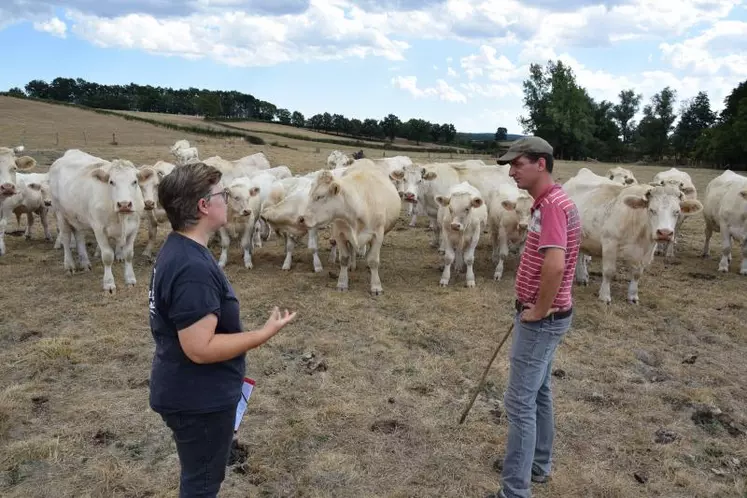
x=180 y=191
x=534 y=157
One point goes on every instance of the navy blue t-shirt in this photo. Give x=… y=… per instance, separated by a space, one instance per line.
x=187 y=284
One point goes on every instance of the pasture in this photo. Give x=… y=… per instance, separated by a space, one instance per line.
x=361 y=396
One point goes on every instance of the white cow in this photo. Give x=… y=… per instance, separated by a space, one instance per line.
x=246 y=197
x=363 y=206
x=9 y=166
x=509 y=213
x=681 y=180
x=621 y=175
x=462 y=217
x=32 y=197
x=283 y=211
x=89 y=192
x=337 y=159
x=623 y=222
x=154 y=212
x=244 y=167
x=725 y=211
x=183 y=153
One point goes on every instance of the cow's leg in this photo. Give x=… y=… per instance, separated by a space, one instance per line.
x=247 y=243
x=373 y=258
x=64 y=238
x=152 y=232
x=412 y=212
x=225 y=242
x=333 y=251
x=723 y=265
x=502 y=253
x=18 y=219
x=661 y=248
x=582 y=269
x=469 y=258
x=290 y=244
x=3 y=224
x=636 y=271
x=29 y=222
x=436 y=241
x=448 y=259
x=257 y=234
x=313 y=244
x=345 y=254
x=609 y=266
x=128 y=252
x=707 y=242
x=107 y=258
x=44 y=218
x=743 y=269
x=353 y=256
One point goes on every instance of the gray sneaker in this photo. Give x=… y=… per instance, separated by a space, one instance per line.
x=539 y=478
x=499 y=494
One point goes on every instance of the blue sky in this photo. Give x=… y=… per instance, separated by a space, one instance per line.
x=447 y=61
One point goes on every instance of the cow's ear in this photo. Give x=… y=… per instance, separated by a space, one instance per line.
x=429 y=175
x=334 y=188
x=144 y=174
x=397 y=174
x=100 y=175
x=477 y=202
x=24 y=163
x=743 y=193
x=636 y=201
x=443 y=200
x=690 y=207
x=253 y=191
x=34 y=186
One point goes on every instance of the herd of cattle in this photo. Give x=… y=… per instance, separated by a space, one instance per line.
x=360 y=201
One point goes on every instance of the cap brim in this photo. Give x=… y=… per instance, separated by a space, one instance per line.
x=507 y=157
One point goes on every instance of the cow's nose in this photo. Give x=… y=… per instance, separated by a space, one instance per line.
x=456 y=226
x=149 y=205
x=301 y=220
x=246 y=212
x=628 y=181
x=124 y=205
x=664 y=234
x=523 y=226
x=8 y=188
x=47 y=203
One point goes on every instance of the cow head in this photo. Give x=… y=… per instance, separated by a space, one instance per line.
x=148 y=181
x=325 y=201
x=9 y=166
x=458 y=208
x=518 y=213
x=122 y=177
x=684 y=186
x=663 y=206
x=244 y=198
x=407 y=179
x=622 y=176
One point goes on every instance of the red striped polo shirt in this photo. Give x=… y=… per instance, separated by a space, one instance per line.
x=555 y=223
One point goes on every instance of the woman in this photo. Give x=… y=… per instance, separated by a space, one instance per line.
x=198 y=365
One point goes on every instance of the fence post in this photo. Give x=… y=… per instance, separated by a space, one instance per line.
x=85 y=138
x=57 y=138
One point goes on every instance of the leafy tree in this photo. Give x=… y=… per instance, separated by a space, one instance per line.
x=284 y=116
x=695 y=117
x=656 y=125
x=390 y=126
x=623 y=113
x=500 y=134
x=298 y=120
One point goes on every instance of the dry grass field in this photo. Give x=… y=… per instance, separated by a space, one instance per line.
x=268 y=131
x=375 y=411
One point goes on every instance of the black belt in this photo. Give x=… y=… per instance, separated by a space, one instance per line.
x=558 y=315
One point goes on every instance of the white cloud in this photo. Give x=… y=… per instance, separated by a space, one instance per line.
x=54 y=27
x=720 y=50
x=450 y=71
x=442 y=90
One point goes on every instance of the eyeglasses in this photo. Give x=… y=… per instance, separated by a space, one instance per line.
x=223 y=192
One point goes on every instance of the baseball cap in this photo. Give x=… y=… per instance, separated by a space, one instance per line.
x=525 y=145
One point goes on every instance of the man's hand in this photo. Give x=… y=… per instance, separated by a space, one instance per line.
x=531 y=314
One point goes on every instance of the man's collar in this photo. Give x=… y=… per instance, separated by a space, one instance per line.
x=544 y=194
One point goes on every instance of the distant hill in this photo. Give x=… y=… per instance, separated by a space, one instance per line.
x=487 y=136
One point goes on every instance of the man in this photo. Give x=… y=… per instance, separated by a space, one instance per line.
x=544 y=303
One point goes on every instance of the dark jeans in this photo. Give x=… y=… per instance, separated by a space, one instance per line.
x=203 y=442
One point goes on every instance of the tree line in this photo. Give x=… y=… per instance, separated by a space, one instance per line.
x=579 y=127
x=230 y=106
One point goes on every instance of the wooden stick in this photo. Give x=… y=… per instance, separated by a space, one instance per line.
x=485 y=374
